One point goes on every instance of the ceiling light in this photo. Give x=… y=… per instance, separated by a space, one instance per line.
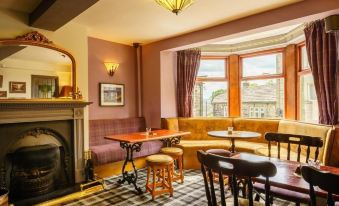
x=175 y=6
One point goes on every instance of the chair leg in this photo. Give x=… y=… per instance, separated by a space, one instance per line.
x=180 y=161
x=257 y=197
x=170 y=168
x=147 y=178
x=154 y=182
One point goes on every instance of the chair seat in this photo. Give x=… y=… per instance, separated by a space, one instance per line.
x=284 y=193
x=221 y=152
x=159 y=159
x=244 y=202
x=172 y=151
x=263 y=151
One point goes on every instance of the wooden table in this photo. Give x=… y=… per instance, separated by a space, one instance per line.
x=233 y=136
x=285 y=177
x=132 y=143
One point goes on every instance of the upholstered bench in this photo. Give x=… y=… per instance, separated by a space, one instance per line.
x=106 y=151
x=199 y=139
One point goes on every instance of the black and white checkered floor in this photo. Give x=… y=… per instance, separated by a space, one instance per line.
x=191 y=193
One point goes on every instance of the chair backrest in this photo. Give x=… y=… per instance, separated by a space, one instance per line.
x=211 y=163
x=293 y=139
x=324 y=180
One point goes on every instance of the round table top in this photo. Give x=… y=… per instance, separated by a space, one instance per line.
x=234 y=134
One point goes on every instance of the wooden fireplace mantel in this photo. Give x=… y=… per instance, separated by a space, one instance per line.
x=22 y=112
x=41 y=104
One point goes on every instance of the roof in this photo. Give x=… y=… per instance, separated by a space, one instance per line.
x=252 y=94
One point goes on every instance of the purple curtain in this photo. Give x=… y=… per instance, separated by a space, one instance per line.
x=188 y=62
x=322 y=56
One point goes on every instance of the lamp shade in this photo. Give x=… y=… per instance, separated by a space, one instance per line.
x=66 y=92
x=332 y=23
x=111 y=67
x=175 y=6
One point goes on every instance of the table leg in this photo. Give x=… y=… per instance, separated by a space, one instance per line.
x=232 y=145
x=169 y=142
x=126 y=176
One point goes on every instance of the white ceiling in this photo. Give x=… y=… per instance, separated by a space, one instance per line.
x=144 y=21
x=25 y=6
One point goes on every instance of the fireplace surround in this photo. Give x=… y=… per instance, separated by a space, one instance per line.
x=42 y=147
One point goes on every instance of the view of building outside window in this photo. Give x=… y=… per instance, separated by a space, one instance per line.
x=210 y=99
x=262 y=97
x=210 y=96
x=308 y=106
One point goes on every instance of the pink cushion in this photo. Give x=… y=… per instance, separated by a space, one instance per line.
x=284 y=194
x=112 y=152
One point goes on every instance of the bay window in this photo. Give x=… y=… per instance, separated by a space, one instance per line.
x=308 y=104
x=210 y=95
x=262 y=86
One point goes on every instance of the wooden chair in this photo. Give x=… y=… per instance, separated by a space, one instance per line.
x=324 y=180
x=290 y=140
x=233 y=167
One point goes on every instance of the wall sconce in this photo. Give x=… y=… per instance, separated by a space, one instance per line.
x=111 y=67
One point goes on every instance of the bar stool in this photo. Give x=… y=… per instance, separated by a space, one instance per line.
x=161 y=167
x=177 y=155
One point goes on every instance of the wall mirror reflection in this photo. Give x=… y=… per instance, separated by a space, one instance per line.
x=45 y=73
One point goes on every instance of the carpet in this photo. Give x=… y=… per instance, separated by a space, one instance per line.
x=191 y=192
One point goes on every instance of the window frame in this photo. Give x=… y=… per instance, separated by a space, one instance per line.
x=263 y=77
x=218 y=79
x=300 y=72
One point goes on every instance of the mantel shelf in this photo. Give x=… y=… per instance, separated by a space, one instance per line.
x=42 y=103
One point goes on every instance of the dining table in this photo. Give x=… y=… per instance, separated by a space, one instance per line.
x=132 y=142
x=233 y=135
x=286 y=176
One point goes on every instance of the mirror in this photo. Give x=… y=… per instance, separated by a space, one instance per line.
x=31 y=67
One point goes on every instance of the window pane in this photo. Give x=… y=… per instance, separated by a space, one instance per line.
x=304 y=60
x=262 y=65
x=262 y=98
x=212 y=68
x=210 y=99
x=308 y=100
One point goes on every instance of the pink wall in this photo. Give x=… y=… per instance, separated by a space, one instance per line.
x=303 y=11
x=100 y=51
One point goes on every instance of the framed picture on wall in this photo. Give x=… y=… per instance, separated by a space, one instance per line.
x=112 y=94
x=17 y=87
x=1 y=80
x=3 y=94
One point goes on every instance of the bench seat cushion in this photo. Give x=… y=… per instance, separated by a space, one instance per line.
x=112 y=152
x=190 y=148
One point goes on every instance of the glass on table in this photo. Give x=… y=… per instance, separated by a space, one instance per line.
x=229 y=130
x=148 y=130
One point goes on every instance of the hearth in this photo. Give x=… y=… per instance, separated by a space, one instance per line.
x=41 y=150
x=36 y=171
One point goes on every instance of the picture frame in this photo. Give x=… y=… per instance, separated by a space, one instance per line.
x=3 y=94
x=1 y=80
x=111 y=94
x=17 y=87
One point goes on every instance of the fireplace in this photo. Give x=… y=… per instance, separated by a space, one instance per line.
x=41 y=150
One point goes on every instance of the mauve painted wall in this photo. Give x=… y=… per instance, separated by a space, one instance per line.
x=100 y=51
x=303 y=11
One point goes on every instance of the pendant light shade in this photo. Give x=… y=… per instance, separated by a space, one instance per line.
x=175 y=6
x=332 y=23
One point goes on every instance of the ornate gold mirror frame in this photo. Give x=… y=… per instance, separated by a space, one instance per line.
x=34 y=38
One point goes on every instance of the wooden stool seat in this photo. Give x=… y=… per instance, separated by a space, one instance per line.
x=159 y=159
x=161 y=167
x=177 y=155
x=172 y=151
